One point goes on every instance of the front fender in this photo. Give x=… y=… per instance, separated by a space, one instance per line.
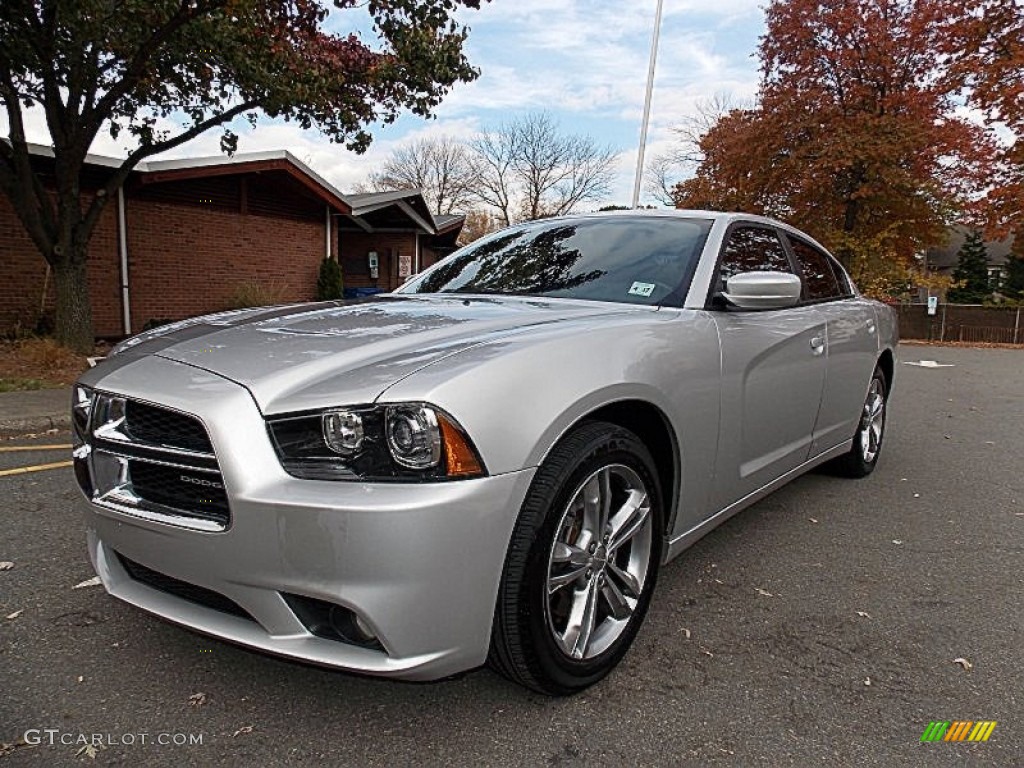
x=517 y=395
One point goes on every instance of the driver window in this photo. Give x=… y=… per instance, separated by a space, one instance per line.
x=752 y=249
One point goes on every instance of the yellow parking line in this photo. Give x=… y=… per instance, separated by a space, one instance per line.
x=36 y=468
x=13 y=448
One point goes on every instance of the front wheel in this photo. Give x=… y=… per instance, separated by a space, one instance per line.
x=581 y=564
x=867 y=443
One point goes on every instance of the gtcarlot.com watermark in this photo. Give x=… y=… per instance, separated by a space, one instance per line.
x=54 y=737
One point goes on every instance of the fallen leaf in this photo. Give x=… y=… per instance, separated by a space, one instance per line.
x=917 y=495
x=706 y=652
x=81 y=679
x=763 y=592
x=812 y=520
x=864 y=614
x=897 y=542
x=963 y=663
x=93 y=582
x=16 y=614
x=867 y=681
x=6 y=565
x=197 y=700
x=243 y=729
x=686 y=632
x=90 y=750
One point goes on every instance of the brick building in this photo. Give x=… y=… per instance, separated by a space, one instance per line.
x=184 y=235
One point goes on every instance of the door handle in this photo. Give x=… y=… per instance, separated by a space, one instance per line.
x=817 y=345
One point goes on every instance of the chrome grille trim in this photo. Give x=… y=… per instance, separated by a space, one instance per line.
x=111 y=451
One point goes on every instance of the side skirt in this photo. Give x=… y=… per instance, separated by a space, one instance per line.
x=676 y=546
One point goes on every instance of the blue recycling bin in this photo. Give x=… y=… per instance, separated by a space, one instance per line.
x=361 y=293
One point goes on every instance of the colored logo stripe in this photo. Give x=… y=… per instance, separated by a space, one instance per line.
x=982 y=730
x=958 y=730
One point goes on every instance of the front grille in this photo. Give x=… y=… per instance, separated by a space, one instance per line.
x=193 y=494
x=150 y=461
x=172 y=586
x=160 y=426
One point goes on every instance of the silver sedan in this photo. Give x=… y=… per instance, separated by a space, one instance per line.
x=491 y=463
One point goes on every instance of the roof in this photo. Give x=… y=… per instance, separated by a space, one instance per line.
x=446 y=222
x=409 y=202
x=154 y=171
x=948 y=256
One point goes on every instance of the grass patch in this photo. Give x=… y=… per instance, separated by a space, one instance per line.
x=21 y=385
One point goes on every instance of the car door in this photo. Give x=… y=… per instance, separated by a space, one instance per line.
x=851 y=342
x=773 y=372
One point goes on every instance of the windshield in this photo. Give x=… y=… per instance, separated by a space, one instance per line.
x=633 y=259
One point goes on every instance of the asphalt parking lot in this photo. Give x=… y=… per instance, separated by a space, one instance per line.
x=818 y=627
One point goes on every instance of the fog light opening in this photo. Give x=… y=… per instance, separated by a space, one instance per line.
x=333 y=622
x=351 y=628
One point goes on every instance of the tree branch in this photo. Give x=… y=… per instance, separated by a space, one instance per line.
x=136 y=69
x=17 y=178
x=118 y=177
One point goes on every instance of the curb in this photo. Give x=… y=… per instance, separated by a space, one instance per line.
x=12 y=427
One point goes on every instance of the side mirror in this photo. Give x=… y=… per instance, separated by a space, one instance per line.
x=762 y=290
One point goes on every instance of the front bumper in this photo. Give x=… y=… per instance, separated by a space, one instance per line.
x=419 y=563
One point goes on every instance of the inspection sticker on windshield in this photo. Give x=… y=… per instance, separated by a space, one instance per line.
x=642 y=289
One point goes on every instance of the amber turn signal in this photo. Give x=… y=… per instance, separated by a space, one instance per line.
x=460 y=458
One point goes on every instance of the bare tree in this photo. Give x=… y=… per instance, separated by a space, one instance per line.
x=667 y=169
x=528 y=169
x=661 y=175
x=441 y=167
x=494 y=153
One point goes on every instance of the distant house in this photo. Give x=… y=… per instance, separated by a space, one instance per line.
x=943 y=260
x=186 y=233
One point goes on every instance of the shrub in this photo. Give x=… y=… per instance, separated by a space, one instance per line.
x=329 y=285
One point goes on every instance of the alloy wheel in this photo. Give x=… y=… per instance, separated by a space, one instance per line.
x=872 y=422
x=599 y=561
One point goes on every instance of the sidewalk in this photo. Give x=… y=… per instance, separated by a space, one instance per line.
x=36 y=411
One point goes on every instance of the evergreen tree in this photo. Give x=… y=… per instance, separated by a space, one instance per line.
x=971 y=272
x=1013 y=285
x=329 y=282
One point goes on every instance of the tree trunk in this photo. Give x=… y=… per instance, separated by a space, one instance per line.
x=73 y=326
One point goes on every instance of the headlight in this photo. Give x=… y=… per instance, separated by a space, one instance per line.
x=414 y=436
x=408 y=442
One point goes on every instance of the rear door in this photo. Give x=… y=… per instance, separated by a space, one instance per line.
x=773 y=373
x=851 y=343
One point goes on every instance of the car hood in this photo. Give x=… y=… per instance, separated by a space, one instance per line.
x=319 y=355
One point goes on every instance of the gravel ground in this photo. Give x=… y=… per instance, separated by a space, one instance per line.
x=818 y=627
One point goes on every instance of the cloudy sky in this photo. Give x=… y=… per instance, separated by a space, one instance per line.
x=584 y=61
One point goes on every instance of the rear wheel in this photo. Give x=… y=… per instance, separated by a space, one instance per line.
x=867 y=443
x=582 y=562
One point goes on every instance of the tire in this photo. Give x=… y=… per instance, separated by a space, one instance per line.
x=867 y=442
x=539 y=639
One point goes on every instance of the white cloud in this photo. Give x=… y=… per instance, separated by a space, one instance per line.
x=585 y=61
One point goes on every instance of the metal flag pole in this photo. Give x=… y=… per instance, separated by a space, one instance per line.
x=647 y=107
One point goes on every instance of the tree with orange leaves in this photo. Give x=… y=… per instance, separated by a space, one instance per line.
x=988 y=54
x=855 y=137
